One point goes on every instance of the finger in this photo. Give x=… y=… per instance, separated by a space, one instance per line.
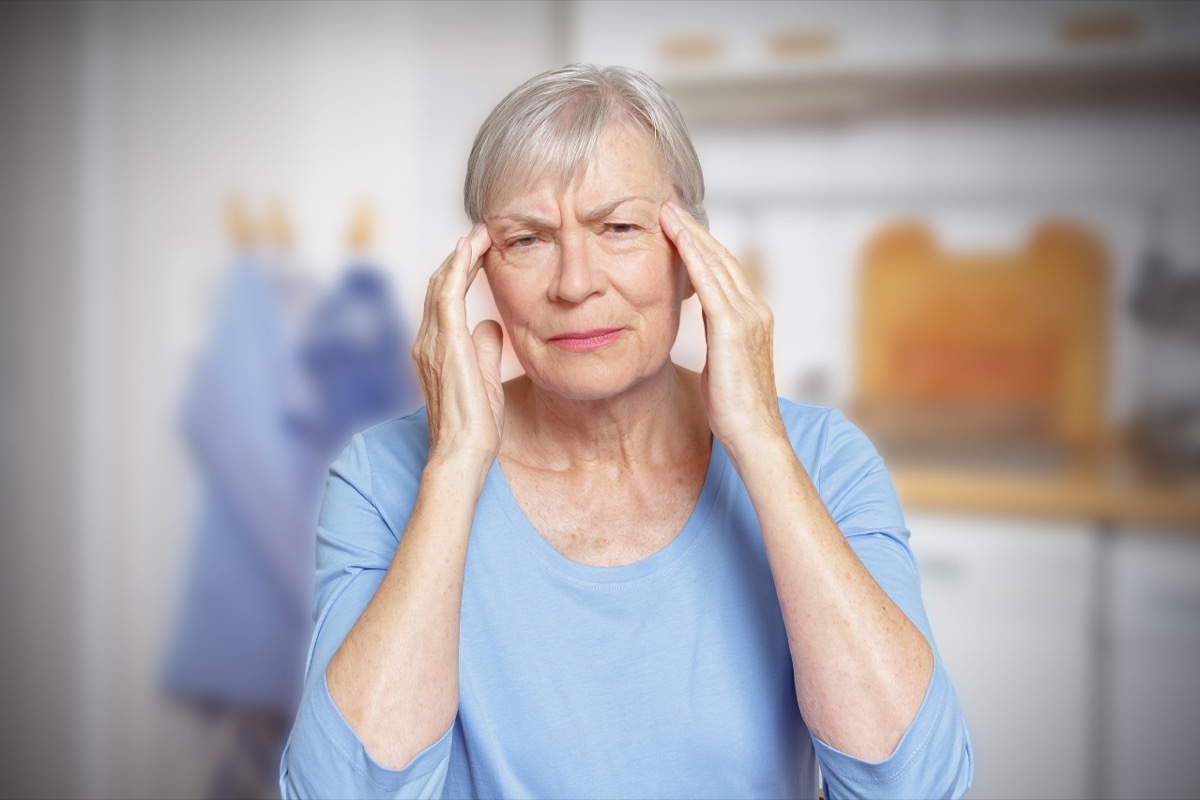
x=489 y=344
x=725 y=267
x=702 y=266
x=466 y=264
x=429 y=318
x=481 y=241
x=708 y=286
x=452 y=293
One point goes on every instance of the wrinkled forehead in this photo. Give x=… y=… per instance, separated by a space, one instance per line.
x=620 y=158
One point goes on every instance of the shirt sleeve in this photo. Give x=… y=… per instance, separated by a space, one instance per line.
x=355 y=544
x=934 y=757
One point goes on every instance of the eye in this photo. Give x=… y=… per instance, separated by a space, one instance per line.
x=620 y=228
x=522 y=242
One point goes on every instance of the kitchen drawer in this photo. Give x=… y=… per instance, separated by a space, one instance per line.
x=1152 y=667
x=1011 y=604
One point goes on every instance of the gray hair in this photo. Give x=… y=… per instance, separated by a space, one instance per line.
x=551 y=124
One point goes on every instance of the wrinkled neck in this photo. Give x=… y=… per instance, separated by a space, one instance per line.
x=661 y=420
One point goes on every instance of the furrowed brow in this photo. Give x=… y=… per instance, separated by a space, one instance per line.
x=523 y=221
x=600 y=212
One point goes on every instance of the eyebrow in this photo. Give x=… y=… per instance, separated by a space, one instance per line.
x=597 y=213
x=600 y=212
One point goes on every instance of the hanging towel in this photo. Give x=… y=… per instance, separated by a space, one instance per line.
x=357 y=354
x=245 y=616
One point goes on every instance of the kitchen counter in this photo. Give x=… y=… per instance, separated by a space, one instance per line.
x=1111 y=485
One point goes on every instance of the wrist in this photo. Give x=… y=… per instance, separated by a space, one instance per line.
x=459 y=465
x=752 y=441
x=766 y=452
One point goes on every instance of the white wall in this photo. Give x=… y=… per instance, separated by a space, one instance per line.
x=149 y=115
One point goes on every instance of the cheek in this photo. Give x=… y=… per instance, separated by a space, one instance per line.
x=655 y=278
x=515 y=294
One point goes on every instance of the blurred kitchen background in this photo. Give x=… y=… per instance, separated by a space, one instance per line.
x=978 y=224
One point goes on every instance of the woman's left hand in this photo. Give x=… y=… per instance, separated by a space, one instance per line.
x=738 y=381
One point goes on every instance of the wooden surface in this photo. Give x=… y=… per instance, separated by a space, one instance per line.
x=1111 y=487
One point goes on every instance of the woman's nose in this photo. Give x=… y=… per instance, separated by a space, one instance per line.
x=577 y=275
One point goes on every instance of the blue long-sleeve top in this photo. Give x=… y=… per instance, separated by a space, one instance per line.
x=668 y=677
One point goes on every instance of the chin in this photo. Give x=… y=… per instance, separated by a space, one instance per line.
x=592 y=382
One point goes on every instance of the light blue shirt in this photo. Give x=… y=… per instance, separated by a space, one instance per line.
x=669 y=677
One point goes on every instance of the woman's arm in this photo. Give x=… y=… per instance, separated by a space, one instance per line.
x=862 y=667
x=395 y=676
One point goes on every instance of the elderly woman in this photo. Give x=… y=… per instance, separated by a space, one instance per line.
x=611 y=576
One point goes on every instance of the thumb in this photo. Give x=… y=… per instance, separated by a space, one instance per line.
x=488 y=339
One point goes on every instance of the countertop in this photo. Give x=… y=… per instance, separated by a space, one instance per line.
x=1112 y=484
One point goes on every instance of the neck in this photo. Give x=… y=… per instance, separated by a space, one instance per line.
x=660 y=420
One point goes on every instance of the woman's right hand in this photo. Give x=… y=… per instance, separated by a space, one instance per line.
x=460 y=370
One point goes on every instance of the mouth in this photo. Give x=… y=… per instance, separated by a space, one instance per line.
x=583 y=341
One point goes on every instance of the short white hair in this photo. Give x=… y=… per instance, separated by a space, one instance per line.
x=550 y=125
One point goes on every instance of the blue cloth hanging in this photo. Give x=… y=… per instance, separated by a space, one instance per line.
x=245 y=616
x=264 y=414
x=357 y=355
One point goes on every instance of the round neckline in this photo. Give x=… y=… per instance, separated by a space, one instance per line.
x=532 y=542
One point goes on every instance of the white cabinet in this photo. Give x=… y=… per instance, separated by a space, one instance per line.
x=1058 y=32
x=1182 y=21
x=1152 y=674
x=1011 y=602
x=1075 y=653
x=728 y=39
x=676 y=41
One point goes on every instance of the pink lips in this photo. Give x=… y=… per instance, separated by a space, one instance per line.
x=583 y=341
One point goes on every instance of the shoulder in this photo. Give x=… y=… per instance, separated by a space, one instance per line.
x=813 y=428
x=799 y=417
x=388 y=451
x=826 y=442
x=403 y=434
x=845 y=467
x=381 y=468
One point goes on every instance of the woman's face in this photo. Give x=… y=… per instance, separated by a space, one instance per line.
x=587 y=284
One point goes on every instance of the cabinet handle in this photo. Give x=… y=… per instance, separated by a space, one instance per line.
x=803 y=43
x=688 y=49
x=1091 y=29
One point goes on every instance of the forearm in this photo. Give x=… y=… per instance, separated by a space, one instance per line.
x=861 y=666
x=395 y=676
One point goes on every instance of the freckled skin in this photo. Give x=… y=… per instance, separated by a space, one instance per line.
x=612 y=430
x=590 y=256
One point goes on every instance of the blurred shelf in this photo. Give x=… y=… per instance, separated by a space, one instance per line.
x=840 y=97
x=757 y=62
x=1098 y=195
